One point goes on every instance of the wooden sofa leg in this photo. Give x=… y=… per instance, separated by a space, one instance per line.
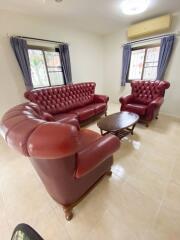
x=68 y=212
x=105 y=114
x=147 y=124
x=109 y=173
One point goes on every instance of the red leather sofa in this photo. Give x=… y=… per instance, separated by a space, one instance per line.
x=73 y=101
x=69 y=161
x=146 y=99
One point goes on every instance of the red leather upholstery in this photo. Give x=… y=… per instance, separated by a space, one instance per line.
x=67 y=118
x=84 y=113
x=145 y=99
x=74 y=98
x=93 y=155
x=69 y=161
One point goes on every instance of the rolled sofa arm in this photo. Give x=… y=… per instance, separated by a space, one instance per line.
x=100 y=98
x=53 y=140
x=157 y=102
x=152 y=107
x=126 y=99
x=93 y=155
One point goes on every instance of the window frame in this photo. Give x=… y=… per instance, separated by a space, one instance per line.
x=146 y=47
x=47 y=49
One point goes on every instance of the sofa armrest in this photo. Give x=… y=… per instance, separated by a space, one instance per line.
x=157 y=102
x=126 y=99
x=101 y=98
x=93 y=155
x=72 y=121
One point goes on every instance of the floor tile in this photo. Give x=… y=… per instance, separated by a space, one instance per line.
x=140 y=201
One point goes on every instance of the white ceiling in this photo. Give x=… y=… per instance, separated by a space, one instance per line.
x=101 y=16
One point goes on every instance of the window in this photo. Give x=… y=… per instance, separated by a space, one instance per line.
x=144 y=62
x=46 y=67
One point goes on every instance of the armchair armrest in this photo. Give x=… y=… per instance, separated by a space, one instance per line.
x=101 y=98
x=157 y=102
x=93 y=155
x=125 y=100
x=153 y=108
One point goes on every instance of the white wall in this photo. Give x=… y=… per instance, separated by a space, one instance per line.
x=93 y=58
x=113 y=65
x=85 y=49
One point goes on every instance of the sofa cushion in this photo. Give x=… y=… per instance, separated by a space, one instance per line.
x=100 y=107
x=140 y=109
x=68 y=118
x=84 y=112
x=87 y=137
x=64 y=116
x=47 y=117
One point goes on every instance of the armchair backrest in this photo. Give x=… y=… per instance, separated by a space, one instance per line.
x=62 y=98
x=145 y=92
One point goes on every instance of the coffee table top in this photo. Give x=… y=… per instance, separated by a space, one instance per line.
x=118 y=121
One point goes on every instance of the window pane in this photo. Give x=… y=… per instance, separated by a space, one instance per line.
x=52 y=59
x=136 y=64
x=38 y=68
x=56 y=78
x=151 y=63
x=150 y=73
x=54 y=69
x=152 y=54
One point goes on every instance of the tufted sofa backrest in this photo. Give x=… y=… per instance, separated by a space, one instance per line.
x=145 y=92
x=63 y=98
x=26 y=129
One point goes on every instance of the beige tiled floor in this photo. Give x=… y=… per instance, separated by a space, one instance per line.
x=141 y=201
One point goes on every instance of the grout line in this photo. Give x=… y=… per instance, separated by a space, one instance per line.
x=164 y=196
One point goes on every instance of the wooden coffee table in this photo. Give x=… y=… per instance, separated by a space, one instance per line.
x=120 y=124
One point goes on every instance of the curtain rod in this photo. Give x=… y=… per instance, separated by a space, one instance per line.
x=151 y=38
x=40 y=39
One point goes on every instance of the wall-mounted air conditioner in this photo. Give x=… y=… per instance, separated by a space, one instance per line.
x=149 y=27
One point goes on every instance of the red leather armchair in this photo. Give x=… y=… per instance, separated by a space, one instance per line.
x=146 y=99
x=69 y=161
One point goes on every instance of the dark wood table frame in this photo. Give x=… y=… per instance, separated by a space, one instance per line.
x=120 y=130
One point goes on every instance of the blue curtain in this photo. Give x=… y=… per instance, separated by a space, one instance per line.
x=21 y=52
x=65 y=62
x=125 y=63
x=164 y=55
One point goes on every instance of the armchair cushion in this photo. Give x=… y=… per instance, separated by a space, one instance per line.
x=86 y=137
x=94 y=154
x=140 y=109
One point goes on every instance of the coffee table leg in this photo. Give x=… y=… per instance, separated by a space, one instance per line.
x=133 y=129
